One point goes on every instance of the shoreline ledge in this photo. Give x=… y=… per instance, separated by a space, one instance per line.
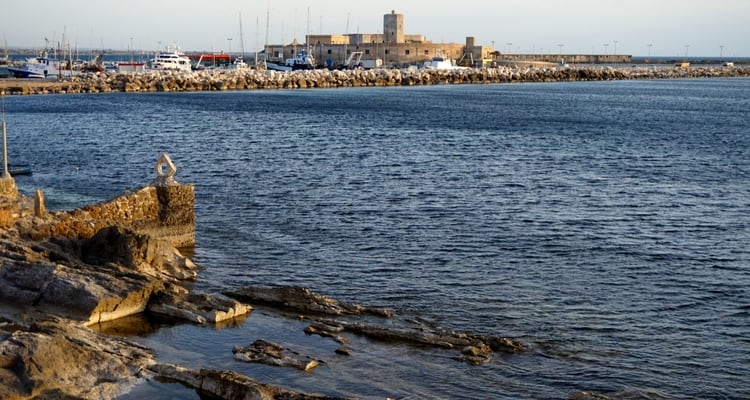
x=67 y=275
x=250 y=79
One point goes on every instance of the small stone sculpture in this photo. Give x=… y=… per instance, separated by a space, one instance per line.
x=164 y=178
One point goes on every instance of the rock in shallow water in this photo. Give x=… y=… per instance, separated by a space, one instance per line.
x=302 y=300
x=270 y=353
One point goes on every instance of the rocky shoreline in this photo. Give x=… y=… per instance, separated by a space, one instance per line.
x=250 y=79
x=63 y=273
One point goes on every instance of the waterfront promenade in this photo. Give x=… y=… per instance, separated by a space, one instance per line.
x=250 y=79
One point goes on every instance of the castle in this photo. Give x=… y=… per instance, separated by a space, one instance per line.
x=394 y=47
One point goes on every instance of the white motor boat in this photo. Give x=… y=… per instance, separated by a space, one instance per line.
x=171 y=60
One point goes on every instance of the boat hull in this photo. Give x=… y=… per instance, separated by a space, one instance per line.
x=19 y=169
x=25 y=74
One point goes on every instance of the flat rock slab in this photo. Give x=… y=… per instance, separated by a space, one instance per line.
x=475 y=349
x=302 y=300
x=270 y=353
x=218 y=384
x=57 y=359
x=197 y=308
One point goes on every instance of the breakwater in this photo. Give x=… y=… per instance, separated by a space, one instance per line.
x=217 y=80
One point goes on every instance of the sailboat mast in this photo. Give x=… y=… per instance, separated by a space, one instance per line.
x=346 y=42
x=268 y=19
x=307 y=33
x=242 y=39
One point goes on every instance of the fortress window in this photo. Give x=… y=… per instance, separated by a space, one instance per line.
x=408 y=52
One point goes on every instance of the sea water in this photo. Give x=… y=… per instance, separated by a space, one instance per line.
x=605 y=225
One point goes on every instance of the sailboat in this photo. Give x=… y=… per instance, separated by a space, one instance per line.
x=268 y=64
x=239 y=62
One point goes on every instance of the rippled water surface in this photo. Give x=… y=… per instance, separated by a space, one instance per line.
x=606 y=225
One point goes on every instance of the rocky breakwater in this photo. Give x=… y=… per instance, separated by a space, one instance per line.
x=250 y=79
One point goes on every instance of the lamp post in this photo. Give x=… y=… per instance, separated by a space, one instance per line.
x=721 y=51
x=615 y=51
x=230 y=49
x=509 y=46
x=649 y=49
x=605 y=48
x=560 y=46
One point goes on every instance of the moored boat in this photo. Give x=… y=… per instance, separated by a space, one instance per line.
x=171 y=60
x=43 y=67
x=19 y=169
x=303 y=60
x=441 y=62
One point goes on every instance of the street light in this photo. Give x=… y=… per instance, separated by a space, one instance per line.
x=605 y=48
x=560 y=46
x=230 y=49
x=615 y=52
x=509 y=46
x=649 y=49
x=687 y=46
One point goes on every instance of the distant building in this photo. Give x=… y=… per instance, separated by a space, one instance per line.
x=393 y=46
x=397 y=48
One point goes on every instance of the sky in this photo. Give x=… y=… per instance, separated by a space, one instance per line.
x=673 y=28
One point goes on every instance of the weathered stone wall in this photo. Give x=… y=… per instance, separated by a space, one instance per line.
x=166 y=213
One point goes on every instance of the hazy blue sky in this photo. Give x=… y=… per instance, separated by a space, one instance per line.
x=673 y=27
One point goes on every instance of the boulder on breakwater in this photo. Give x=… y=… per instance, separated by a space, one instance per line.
x=250 y=79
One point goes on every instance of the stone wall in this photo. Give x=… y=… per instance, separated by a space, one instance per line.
x=165 y=212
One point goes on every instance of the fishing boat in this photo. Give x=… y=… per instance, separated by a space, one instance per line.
x=42 y=66
x=272 y=66
x=441 y=62
x=171 y=60
x=303 y=60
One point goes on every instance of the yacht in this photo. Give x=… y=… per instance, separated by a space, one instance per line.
x=171 y=60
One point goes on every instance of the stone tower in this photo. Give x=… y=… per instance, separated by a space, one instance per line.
x=393 y=28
